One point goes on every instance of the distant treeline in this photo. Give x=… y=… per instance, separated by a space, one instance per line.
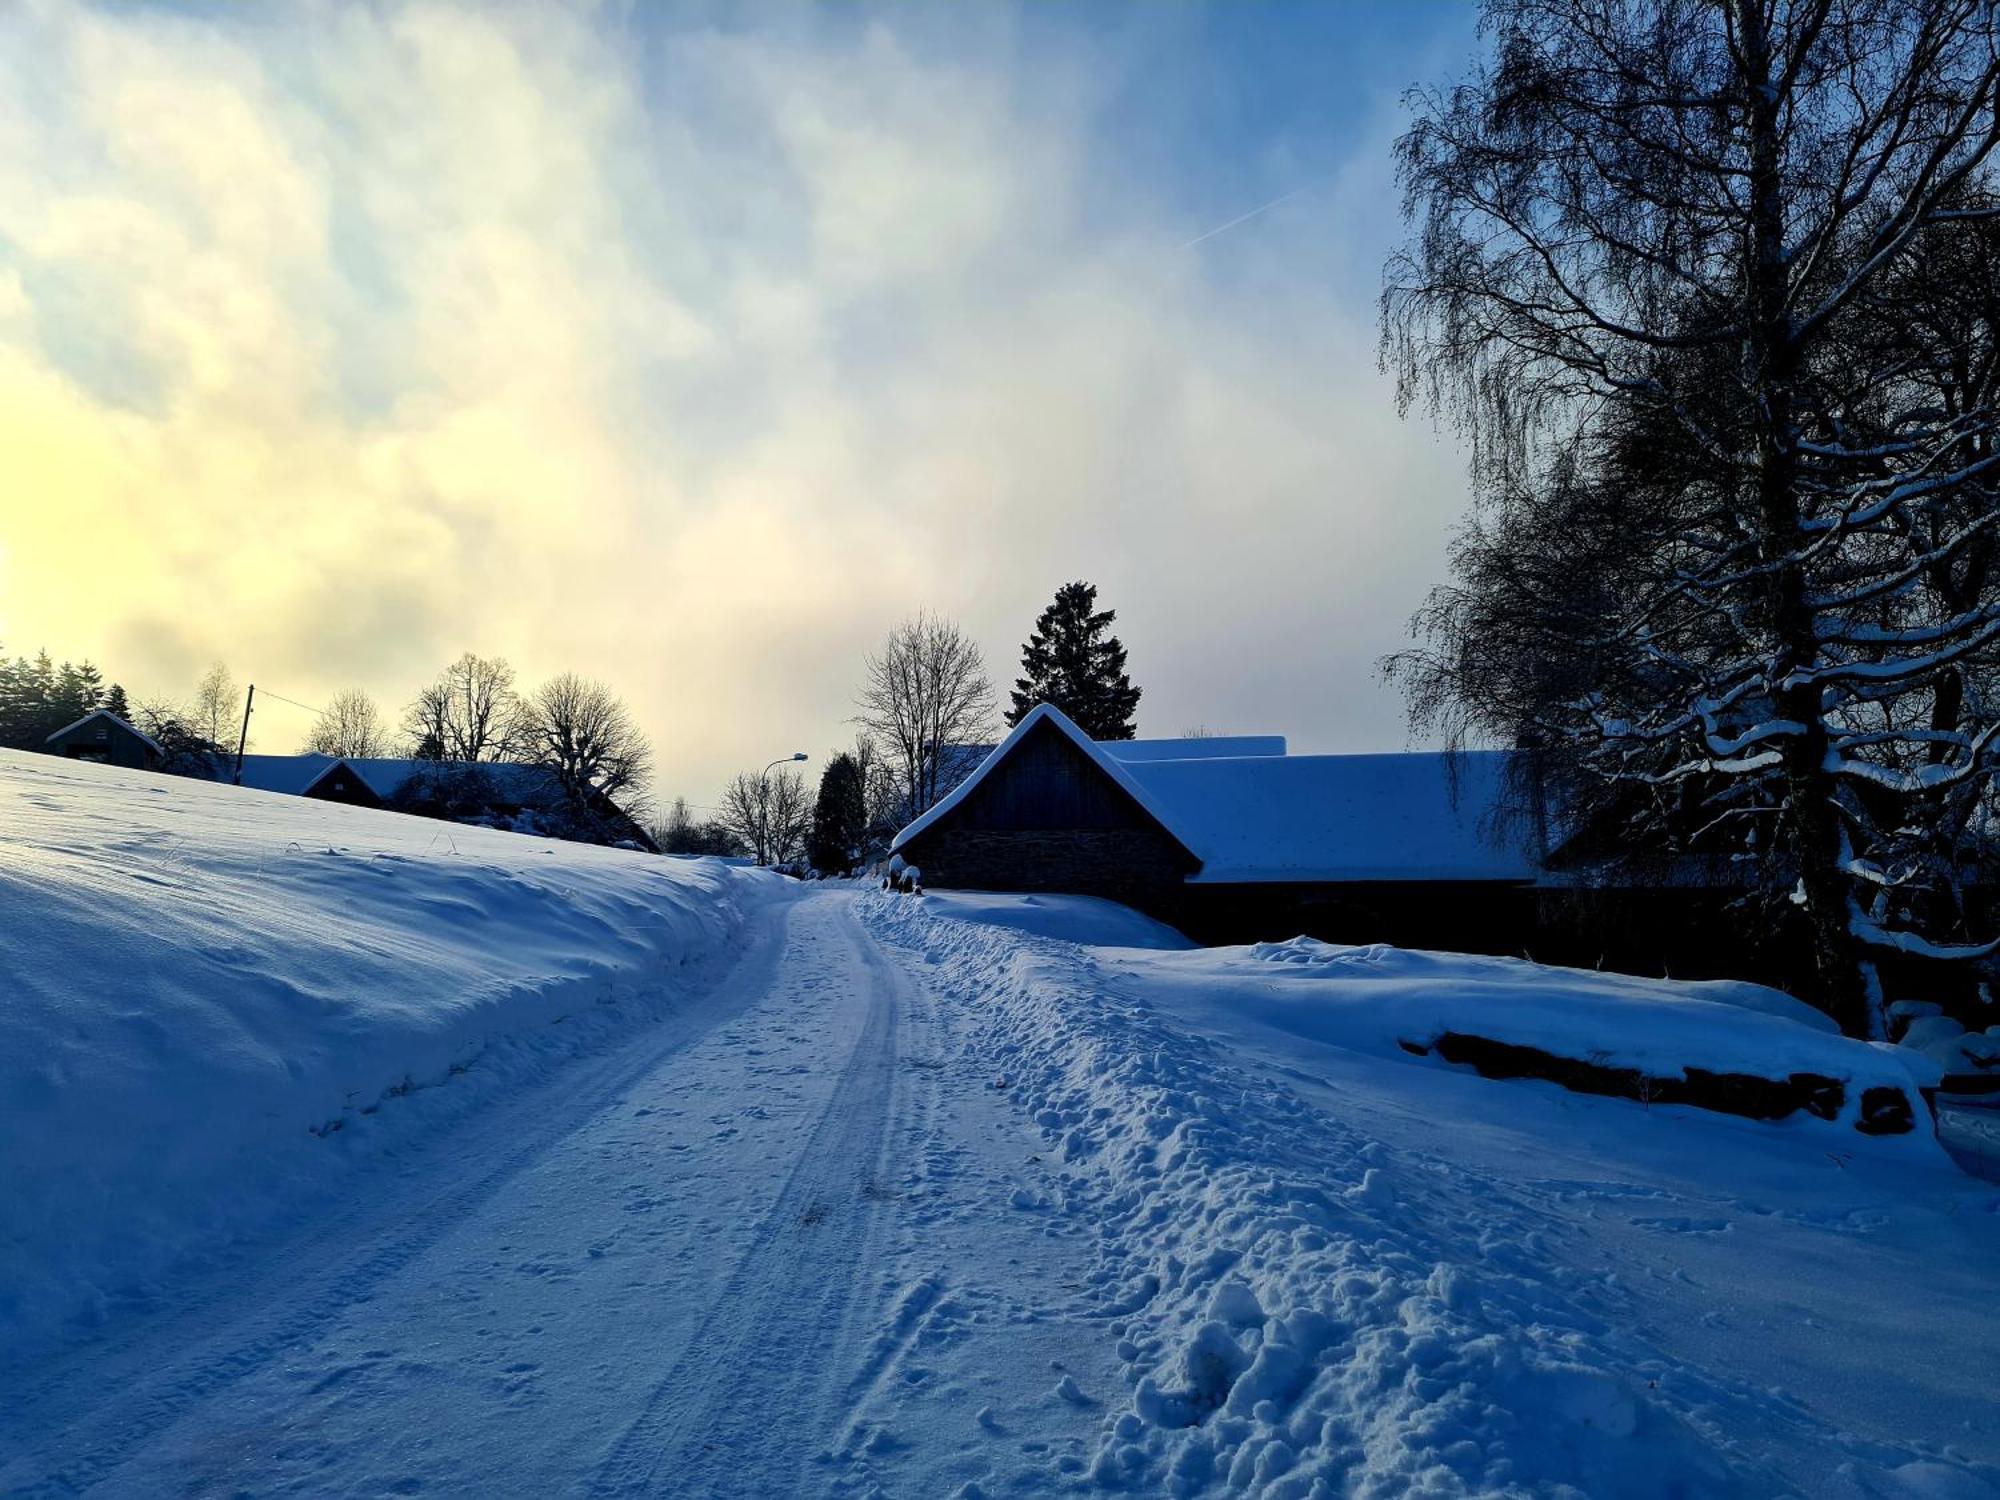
x=39 y=696
x=469 y=720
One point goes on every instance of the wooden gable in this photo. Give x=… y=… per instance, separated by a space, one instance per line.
x=1046 y=782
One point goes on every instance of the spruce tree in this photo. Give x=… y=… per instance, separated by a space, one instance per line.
x=78 y=690
x=1073 y=663
x=840 y=818
x=114 y=703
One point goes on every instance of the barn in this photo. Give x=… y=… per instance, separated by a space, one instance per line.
x=1233 y=839
x=104 y=737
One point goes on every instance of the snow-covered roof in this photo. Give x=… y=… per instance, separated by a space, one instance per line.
x=296 y=775
x=514 y=779
x=1093 y=749
x=1267 y=817
x=384 y=775
x=1341 y=817
x=105 y=713
x=1195 y=747
x=290 y=774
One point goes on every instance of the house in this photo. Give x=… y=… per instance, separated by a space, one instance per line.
x=104 y=737
x=1233 y=839
x=509 y=795
x=326 y=778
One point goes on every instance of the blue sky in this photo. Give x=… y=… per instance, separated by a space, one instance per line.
x=692 y=346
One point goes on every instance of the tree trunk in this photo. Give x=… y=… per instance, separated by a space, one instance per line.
x=1812 y=814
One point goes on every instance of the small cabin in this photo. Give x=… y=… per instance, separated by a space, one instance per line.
x=108 y=740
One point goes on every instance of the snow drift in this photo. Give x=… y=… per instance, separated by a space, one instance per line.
x=1330 y=1267
x=212 y=998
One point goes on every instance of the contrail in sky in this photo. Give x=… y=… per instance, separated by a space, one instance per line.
x=1259 y=209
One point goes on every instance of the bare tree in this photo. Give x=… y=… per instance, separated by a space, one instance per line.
x=770 y=812
x=184 y=751
x=582 y=733
x=1669 y=272
x=426 y=723
x=882 y=794
x=925 y=694
x=681 y=832
x=216 y=714
x=349 y=725
x=470 y=713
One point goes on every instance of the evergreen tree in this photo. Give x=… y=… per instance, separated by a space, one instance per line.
x=12 y=703
x=840 y=817
x=32 y=709
x=39 y=684
x=114 y=703
x=78 y=690
x=1072 y=663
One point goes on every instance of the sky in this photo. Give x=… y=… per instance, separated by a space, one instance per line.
x=691 y=347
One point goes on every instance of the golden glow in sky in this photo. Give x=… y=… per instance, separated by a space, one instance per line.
x=336 y=340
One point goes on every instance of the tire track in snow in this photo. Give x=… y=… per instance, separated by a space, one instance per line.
x=764 y=1353
x=297 y=1294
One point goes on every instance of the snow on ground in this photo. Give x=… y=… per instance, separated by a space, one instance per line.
x=959 y=1195
x=213 y=1001
x=1376 y=997
x=1330 y=1268
x=1074 y=919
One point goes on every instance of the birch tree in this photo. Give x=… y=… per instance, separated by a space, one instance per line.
x=216 y=713
x=349 y=725
x=1689 y=276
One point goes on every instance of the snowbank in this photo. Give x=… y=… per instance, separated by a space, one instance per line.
x=1074 y=919
x=213 y=998
x=1329 y=1267
x=1386 y=999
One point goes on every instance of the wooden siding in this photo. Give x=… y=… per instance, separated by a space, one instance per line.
x=1048 y=819
x=1047 y=783
x=1141 y=867
x=342 y=785
x=99 y=739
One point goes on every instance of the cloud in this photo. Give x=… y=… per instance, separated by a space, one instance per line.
x=337 y=340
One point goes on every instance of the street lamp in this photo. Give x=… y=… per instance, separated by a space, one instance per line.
x=764 y=794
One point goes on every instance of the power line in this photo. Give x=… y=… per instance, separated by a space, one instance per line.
x=293 y=701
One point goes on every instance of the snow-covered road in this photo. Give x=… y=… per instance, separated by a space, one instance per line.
x=922 y=1199
x=712 y=1262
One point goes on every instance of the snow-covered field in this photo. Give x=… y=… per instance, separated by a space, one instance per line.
x=752 y=1189
x=213 y=1001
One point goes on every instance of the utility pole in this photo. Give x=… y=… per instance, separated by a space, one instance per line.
x=243 y=738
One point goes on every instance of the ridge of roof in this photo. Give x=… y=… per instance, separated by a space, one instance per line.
x=1196 y=747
